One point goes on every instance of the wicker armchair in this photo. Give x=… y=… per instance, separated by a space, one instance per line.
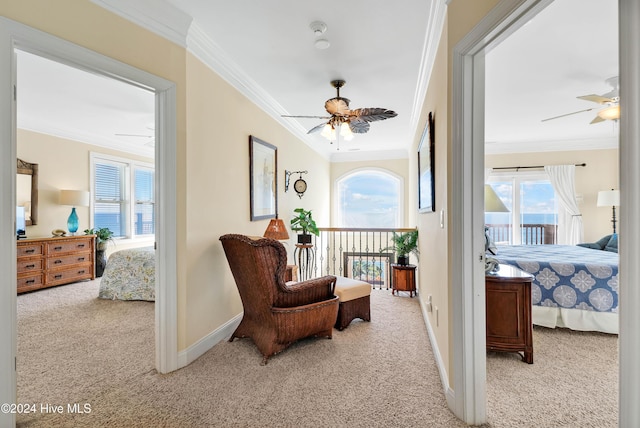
x=277 y=314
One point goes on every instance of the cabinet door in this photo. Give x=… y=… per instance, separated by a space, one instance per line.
x=505 y=307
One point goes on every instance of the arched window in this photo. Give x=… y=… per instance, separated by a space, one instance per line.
x=369 y=198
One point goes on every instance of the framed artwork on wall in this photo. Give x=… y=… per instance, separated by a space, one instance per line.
x=426 y=168
x=263 y=174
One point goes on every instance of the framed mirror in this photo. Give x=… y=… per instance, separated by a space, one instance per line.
x=27 y=190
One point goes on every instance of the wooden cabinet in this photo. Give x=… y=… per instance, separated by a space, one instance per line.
x=508 y=307
x=45 y=262
x=403 y=278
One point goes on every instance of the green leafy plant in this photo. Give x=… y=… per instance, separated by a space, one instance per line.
x=405 y=244
x=304 y=222
x=103 y=235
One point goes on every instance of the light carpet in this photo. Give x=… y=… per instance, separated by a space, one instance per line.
x=74 y=348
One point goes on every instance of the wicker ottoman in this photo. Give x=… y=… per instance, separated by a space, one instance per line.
x=354 y=301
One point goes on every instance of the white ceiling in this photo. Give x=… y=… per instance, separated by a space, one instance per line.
x=266 y=50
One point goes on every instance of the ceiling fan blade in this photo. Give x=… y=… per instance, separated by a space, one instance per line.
x=373 y=114
x=568 y=114
x=358 y=126
x=337 y=105
x=597 y=99
x=316 y=128
x=307 y=117
x=597 y=119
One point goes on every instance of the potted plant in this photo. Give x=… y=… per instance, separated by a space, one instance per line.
x=404 y=244
x=304 y=223
x=103 y=236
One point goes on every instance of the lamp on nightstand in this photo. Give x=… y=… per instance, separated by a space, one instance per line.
x=610 y=198
x=75 y=198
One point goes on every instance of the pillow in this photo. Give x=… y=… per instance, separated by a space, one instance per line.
x=603 y=242
x=590 y=245
x=489 y=245
x=612 y=245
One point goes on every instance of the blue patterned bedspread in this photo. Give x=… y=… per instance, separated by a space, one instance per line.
x=567 y=276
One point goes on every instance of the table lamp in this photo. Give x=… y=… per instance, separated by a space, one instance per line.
x=609 y=198
x=75 y=198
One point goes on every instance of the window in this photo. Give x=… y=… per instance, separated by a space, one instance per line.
x=369 y=198
x=533 y=216
x=123 y=196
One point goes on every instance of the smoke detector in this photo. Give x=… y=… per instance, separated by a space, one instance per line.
x=318 y=27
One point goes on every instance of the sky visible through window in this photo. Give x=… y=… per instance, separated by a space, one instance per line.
x=369 y=199
x=537 y=202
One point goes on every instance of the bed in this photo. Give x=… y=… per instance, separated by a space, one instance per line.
x=129 y=275
x=573 y=287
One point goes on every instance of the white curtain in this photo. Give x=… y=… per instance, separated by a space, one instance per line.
x=570 y=229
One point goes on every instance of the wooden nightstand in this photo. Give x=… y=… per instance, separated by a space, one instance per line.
x=508 y=306
x=403 y=279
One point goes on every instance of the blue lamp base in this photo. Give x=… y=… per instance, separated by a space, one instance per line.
x=72 y=222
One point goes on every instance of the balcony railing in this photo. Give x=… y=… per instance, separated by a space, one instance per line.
x=530 y=234
x=365 y=254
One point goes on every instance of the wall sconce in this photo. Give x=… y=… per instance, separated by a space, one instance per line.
x=300 y=186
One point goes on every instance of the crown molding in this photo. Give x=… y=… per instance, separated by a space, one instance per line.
x=495 y=148
x=157 y=16
x=375 y=155
x=437 y=15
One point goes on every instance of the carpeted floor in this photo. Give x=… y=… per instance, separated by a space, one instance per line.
x=76 y=349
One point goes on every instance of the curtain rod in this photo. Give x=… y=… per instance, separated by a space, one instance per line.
x=530 y=167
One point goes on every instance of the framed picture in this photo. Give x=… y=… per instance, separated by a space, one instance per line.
x=426 y=168
x=263 y=174
x=373 y=268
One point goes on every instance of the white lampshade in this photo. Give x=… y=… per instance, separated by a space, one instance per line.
x=609 y=198
x=492 y=202
x=75 y=198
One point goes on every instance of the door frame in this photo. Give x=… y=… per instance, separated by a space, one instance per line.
x=14 y=35
x=467 y=179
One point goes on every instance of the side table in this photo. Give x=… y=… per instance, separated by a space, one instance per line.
x=305 y=258
x=403 y=278
x=508 y=311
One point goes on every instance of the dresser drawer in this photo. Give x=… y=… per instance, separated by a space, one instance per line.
x=30 y=282
x=27 y=250
x=54 y=262
x=61 y=247
x=70 y=275
x=29 y=265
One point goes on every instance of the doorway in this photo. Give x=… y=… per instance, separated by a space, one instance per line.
x=17 y=36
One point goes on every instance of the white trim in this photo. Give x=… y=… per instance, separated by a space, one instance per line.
x=629 y=34
x=467 y=179
x=437 y=15
x=196 y=350
x=158 y=16
x=444 y=377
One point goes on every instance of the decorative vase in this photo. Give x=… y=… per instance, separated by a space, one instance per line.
x=403 y=260
x=72 y=221
x=101 y=262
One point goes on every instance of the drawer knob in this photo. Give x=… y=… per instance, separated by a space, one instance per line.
x=80 y=245
x=80 y=259
x=57 y=262
x=30 y=266
x=80 y=271
x=30 y=250
x=57 y=248
x=58 y=276
x=30 y=281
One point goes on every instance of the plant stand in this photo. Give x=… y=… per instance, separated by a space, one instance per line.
x=305 y=258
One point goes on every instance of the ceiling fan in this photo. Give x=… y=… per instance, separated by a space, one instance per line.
x=611 y=100
x=343 y=121
x=151 y=141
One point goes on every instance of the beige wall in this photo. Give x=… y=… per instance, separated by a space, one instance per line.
x=601 y=173
x=399 y=167
x=213 y=127
x=63 y=164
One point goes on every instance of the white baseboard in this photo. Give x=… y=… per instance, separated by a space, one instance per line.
x=194 y=351
x=444 y=378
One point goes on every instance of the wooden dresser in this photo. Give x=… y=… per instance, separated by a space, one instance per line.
x=508 y=305
x=45 y=262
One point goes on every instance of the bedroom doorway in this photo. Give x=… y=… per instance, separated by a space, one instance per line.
x=14 y=36
x=467 y=173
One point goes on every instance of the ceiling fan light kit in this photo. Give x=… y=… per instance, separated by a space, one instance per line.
x=611 y=100
x=344 y=122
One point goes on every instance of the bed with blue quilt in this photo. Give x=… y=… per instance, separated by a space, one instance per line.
x=573 y=287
